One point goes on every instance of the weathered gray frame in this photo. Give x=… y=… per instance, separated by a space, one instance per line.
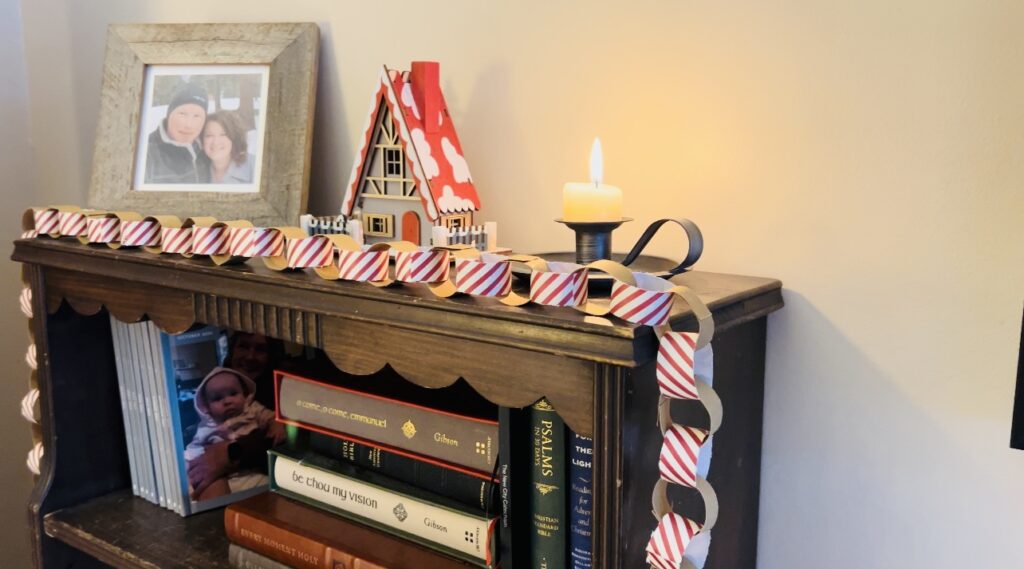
x=290 y=49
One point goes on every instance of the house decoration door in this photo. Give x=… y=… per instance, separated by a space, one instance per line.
x=411 y=227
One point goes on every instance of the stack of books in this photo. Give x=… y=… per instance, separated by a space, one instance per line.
x=369 y=472
x=377 y=473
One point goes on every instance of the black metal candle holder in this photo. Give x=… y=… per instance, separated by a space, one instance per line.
x=593 y=238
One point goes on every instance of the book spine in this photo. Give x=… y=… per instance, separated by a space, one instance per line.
x=460 y=534
x=581 y=501
x=127 y=408
x=242 y=558
x=513 y=468
x=473 y=491
x=144 y=452
x=547 y=492
x=182 y=490
x=265 y=538
x=151 y=336
x=456 y=439
x=145 y=369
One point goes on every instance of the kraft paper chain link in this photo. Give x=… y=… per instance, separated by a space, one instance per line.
x=683 y=360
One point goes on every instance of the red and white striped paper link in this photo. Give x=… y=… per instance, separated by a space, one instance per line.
x=47 y=221
x=240 y=241
x=72 y=223
x=558 y=288
x=103 y=229
x=363 y=266
x=176 y=239
x=142 y=233
x=491 y=275
x=680 y=449
x=267 y=242
x=310 y=252
x=422 y=266
x=675 y=374
x=669 y=541
x=640 y=305
x=210 y=240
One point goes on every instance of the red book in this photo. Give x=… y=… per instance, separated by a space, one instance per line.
x=306 y=538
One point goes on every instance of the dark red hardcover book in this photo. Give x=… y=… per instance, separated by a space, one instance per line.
x=462 y=442
x=306 y=538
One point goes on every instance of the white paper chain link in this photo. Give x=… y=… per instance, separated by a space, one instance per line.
x=30 y=356
x=35 y=457
x=25 y=299
x=28 y=405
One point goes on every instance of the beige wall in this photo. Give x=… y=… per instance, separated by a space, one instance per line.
x=16 y=189
x=866 y=153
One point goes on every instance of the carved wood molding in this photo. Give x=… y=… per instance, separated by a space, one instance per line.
x=506 y=375
x=171 y=309
x=299 y=326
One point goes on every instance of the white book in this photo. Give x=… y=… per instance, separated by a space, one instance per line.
x=139 y=433
x=158 y=428
x=149 y=389
x=460 y=533
x=172 y=470
x=126 y=413
x=146 y=456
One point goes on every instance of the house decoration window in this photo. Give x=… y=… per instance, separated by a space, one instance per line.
x=378 y=225
x=457 y=221
x=393 y=162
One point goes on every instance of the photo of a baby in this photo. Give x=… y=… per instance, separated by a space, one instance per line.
x=228 y=410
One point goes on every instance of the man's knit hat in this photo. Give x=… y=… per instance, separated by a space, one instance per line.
x=189 y=93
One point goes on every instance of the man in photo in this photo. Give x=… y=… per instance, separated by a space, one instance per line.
x=175 y=154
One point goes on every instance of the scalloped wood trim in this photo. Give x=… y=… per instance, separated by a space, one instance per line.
x=505 y=375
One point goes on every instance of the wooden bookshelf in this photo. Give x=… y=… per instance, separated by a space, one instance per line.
x=126 y=532
x=598 y=373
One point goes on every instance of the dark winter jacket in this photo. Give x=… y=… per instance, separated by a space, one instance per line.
x=168 y=162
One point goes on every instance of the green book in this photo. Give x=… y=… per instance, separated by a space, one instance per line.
x=547 y=488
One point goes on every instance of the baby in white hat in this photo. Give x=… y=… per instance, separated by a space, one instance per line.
x=228 y=410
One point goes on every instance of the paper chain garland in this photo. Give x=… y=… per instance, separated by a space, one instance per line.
x=29 y=401
x=638 y=298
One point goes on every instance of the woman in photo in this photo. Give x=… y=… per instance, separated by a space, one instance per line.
x=224 y=143
x=174 y=154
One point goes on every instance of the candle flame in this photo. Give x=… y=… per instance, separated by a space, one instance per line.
x=596 y=163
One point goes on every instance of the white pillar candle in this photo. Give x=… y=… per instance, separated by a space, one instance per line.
x=593 y=201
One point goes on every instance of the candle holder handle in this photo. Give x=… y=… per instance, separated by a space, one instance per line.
x=693 y=235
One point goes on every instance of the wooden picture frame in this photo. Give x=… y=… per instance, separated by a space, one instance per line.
x=278 y=192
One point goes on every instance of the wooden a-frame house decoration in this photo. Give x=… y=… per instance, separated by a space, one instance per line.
x=409 y=173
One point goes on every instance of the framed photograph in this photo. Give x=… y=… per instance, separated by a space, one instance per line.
x=207 y=119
